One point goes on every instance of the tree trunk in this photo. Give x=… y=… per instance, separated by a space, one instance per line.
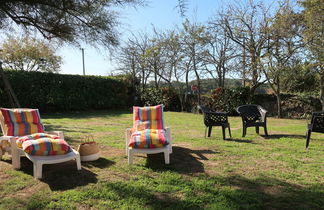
x=187 y=88
x=322 y=91
x=279 y=105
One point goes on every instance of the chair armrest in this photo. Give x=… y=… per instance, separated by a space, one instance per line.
x=263 y=113
x=58 y=133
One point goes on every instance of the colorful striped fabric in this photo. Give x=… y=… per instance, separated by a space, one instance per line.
x=21 y=140
x=150 y=117
x=46 y=146
x=21 y=122
x=148 y=129
x=149 y=138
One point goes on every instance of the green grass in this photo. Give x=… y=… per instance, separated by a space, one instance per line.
x=254 y=172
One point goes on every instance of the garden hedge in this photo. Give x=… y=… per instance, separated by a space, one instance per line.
x=60 y=92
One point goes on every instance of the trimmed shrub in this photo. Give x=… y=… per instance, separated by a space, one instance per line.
x=154 y=96
x=58 y=92
x=226 y=99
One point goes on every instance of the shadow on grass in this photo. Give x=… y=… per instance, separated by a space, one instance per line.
x=182 y=160
x=206 y=192
x=61 y=176
x=240 y=140
x=278 y=136
x=85 y=114
x=272 y=193
x=100 y=163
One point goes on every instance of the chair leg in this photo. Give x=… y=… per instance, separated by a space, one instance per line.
x=167 y=157
x=205 y=131
x=265 y=130
x=38 y=167
x=209 y=130
x=223 y=131
x=229 y=131
x=130 y=157
x=244 y=131
x=308 y=135
x=257 y=129
x=78 y=162
x=15 y=155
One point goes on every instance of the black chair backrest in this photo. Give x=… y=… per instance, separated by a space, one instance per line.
x=212 y=118
x=250 y=113
x=318 y=121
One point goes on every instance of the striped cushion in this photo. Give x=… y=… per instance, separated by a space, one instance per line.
x=21 y=122
x=46 y=146
x=21 y=140
x=149 y=138
x=150 y=117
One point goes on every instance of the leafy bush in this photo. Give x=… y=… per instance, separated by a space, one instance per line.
x=154 y=96
x=58 y=92
x=227 y=99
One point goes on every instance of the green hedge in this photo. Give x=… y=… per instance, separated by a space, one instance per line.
x=59 y=92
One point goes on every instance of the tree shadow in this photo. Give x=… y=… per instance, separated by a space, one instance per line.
x=220 y=192
x=61 y=176
x=272 y=193
x=182 y=160
x=278 y=136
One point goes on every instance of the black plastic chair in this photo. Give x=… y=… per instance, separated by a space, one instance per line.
x=316 y=125
x=212 y=118
x=253 y=116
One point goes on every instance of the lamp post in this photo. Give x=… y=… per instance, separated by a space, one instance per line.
x=82 y=50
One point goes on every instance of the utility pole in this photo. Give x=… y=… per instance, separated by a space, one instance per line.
x=82 y=50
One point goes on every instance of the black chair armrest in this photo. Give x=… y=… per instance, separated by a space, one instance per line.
x=263 y=113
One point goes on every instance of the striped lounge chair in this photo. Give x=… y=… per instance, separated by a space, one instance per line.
x=148 y=134
x=25 y=132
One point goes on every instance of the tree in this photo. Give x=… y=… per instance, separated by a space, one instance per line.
x=313 y=19
x=247 y=27
x=284 y=44
x=194 y=40
x=29 y=54
x=220 y=51
x=72 y=21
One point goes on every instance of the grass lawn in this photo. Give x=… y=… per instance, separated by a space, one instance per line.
x=253 y=172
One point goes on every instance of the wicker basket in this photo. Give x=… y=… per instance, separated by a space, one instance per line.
x=89 y=149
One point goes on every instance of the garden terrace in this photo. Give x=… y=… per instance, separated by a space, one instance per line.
x=255 y=172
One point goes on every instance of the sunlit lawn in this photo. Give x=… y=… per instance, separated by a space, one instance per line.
x=205 y=173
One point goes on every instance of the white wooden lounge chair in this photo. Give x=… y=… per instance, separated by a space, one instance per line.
x=38 y=161
x=148 y=134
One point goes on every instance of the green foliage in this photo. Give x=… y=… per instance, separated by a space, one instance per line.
x=93 y=22
x=314 y=29
x=57 y=92
x=166 y=96
x=29 y=54
x=301 y=78
x=227 y=99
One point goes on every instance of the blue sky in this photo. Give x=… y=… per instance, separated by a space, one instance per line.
x=163 y=14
